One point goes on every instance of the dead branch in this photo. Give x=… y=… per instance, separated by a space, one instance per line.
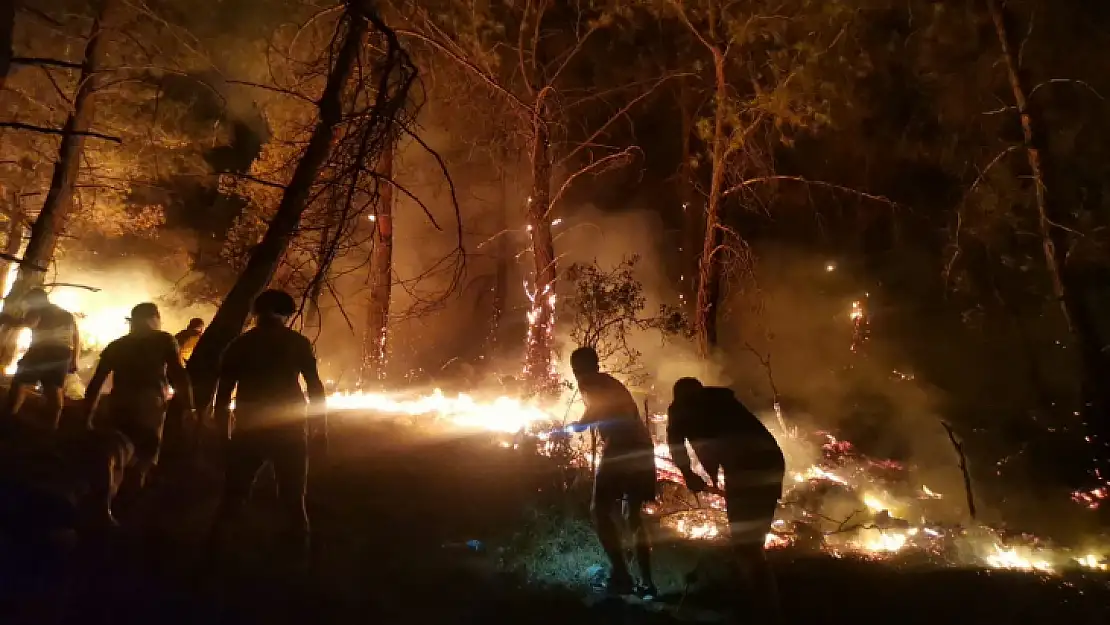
x=959 y=447
x=44 y=62
x=59 y=132
x=818 y=183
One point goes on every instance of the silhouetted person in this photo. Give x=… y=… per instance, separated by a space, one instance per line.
x=187 y=338
x=142 y=364
x=625 y=471
x=264 y=368
x=52 y=355
x=726 y=435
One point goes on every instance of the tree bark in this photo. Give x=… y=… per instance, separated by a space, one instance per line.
x=375 y=344
x=51 y=219
x=709 y=267
x=501 y=262
x=266 y=256
x=1055 y=240
x=538 y=364
x=7 y=35
x=14 y=239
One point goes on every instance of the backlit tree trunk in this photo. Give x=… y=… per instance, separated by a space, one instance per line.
x=13 y=237
x=709 y=267
x=59 y=198
x=266 y=256
x=376 y=342
x=538 y=364
x=1055 y=241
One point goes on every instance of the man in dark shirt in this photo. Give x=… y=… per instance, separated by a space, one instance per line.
x=263 y=368
x=51 y=356
x=625 y=471
x=726 y=435
x=142 y=364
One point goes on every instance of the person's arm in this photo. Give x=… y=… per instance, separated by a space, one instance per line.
x=317 y=395
x=179 y=377
x=676 y=442
x=92 y=391
x=225 y=387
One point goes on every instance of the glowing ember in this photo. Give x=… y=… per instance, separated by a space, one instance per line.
x=503 y=414
x=1012 y=558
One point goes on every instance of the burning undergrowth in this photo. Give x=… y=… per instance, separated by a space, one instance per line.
x=836 y=501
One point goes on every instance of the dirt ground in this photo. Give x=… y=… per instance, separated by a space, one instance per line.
x=392 y=507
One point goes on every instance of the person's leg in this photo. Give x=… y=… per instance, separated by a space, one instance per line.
x=244 y=460
x=607 y=496
x=751 y=511
x=17 y=394
x=634 y=514
x=53 y=397
x=290 y=458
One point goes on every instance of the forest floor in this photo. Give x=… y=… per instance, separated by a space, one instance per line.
x=392 y=507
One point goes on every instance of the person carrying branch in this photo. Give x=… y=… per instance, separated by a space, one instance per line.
x=625 y=471
x=52 y=355
x=143 y=364
x=263 y=368
x=726 y=435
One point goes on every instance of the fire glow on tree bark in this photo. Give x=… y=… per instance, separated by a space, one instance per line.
x=709 y=267
x=538 y=362
x=59 y=198
x=375 y=343
x=265 y=258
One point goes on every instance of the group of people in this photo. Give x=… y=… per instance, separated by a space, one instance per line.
x=727 y=439
x=260 y=370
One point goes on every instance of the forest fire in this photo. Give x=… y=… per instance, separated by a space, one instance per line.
x=877 y=526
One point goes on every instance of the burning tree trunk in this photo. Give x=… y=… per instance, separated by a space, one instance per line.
x=375 y=344
x=266 y=256
x=709 y=267
x=1055 y=241
x=538 y=364
x=59 y=198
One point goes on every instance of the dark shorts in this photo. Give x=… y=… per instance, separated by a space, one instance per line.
x=751 y=507
x=625 y=477
x=48 y=365
x=141 y=417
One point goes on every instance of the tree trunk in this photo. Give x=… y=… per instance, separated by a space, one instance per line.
x=502 y=254
x=14 y=236
x=375 y=344
x=693 y=222
x=538 y=363
x=59 y=198
x=7 y=35
x=315 y=318
x=1055 y=241
x=266 y=256
x=709 y=268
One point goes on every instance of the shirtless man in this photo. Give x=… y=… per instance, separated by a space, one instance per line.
x=51 y=356
x=263 y=368
x=142 y=365
x=625 y=472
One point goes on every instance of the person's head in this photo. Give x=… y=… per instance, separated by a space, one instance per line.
x=196 y=324
x=686 y=389
x=584 y=361
x=145 y=316
x=274 y=305
x=36 y=298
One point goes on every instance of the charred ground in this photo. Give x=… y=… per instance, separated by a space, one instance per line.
x=392 y=507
